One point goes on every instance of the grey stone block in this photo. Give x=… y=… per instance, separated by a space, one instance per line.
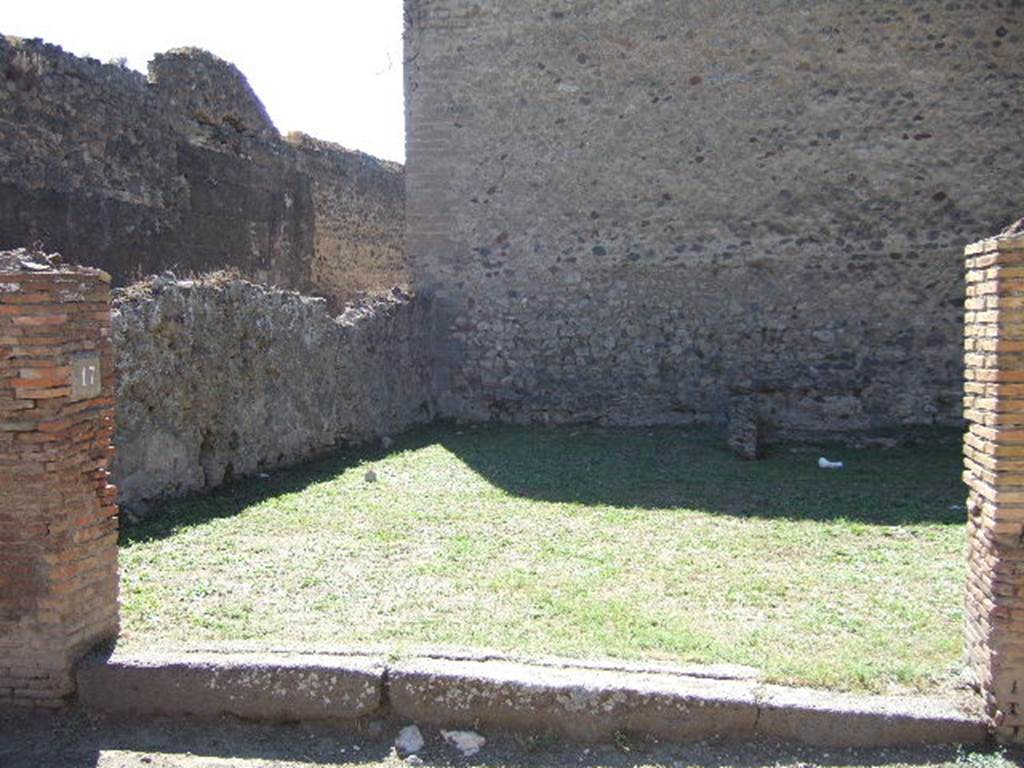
x=821 y=718
x=583 y=704
x=578 y=701
x=266 y=687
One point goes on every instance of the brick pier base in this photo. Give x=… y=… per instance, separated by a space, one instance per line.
x=58 y=523
x=994 y=459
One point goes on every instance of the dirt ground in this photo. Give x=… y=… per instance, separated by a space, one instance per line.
x=76 y=739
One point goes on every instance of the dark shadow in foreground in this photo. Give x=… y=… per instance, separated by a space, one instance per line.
x=76 y=739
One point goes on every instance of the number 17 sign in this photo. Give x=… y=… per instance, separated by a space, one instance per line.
x=85 y=375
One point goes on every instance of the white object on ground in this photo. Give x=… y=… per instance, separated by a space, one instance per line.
x=409 y=740
x=826 y=464
x=467 y=742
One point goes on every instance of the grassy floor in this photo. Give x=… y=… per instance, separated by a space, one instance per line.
x=639 y=544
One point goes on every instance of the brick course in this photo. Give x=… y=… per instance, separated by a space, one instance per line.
x=58 y=516
x=994 y=474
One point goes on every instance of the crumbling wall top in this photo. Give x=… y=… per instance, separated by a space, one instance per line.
x=210 y=90
x=35 y=262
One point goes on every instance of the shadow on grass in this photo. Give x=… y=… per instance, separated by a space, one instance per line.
x=169 y=515
x=672 y=468
x=660 y=468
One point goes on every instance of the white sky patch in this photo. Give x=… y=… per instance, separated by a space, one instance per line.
x=330 y=69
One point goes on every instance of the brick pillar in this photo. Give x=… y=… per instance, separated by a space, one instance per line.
x=994 y=459
x=58 y=523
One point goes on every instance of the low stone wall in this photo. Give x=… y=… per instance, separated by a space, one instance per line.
x=221 y=378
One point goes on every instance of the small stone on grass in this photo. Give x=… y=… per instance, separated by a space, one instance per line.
x=409 y=740
x=467 y=742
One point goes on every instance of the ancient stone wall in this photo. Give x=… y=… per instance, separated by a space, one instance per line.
x=358 y=218
x=994 y=461
x=184 y=170
x=630 y=211
x=222 y=378
x=58 y=521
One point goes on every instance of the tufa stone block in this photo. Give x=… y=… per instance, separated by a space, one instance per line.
x=746 y=427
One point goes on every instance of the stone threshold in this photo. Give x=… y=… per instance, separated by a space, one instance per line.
x=578 y=701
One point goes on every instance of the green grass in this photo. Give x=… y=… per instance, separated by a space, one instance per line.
x=636 y=544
